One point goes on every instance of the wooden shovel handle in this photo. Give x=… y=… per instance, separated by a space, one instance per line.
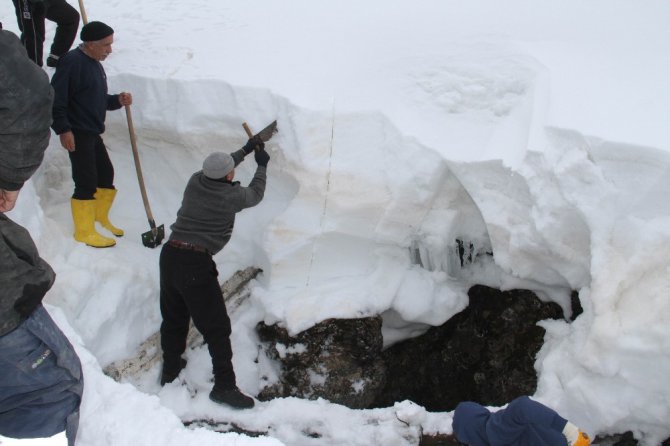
x=82 y=12
x=138 y=167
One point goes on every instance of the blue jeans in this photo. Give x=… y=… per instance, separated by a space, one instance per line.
x=41 y=382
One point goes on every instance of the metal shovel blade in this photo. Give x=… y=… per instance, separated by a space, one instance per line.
x=153 y=237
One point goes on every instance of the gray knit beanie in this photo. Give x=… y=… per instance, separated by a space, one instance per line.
x=218 y=165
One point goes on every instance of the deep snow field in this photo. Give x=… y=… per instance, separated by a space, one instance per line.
x=536 y=130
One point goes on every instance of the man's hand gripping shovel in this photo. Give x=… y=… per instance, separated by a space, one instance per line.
x=155 y=235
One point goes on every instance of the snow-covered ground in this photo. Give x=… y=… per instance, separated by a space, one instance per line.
x=535 y=129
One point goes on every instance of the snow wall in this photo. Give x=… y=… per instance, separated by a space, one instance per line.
x=356 y=209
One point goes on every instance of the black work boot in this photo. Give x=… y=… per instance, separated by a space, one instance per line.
x=171 y=371
x=232 y=397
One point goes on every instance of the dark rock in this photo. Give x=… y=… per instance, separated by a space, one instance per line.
x=439 y=440
x=337 y=359
x=576 y=305
x=625 y=439
x=486 y=354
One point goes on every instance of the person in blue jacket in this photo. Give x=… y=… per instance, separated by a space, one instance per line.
x=80 y=107
x=523 y=422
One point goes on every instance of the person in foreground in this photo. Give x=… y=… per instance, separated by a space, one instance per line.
x=79 y=112
x=523 y=422
x=188 y=276
x=41 y=381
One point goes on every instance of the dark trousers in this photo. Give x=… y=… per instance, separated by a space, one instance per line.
x=41 y=381
x=30 y=17
x=91 y=166
x=190 y=289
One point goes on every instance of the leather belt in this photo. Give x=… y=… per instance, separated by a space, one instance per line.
x=189 y=246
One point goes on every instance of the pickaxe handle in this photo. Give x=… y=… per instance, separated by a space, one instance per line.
x=250 y=134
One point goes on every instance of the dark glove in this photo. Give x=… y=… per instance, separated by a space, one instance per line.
x=253 y=143
x=262 y=158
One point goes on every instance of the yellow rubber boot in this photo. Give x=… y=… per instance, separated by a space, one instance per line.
x=83 y=214
x=575 y=436
x=103 y=203
x=582 y=439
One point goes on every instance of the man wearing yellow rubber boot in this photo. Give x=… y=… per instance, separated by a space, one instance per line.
x=80 y=106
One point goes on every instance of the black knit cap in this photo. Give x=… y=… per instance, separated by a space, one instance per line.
x=93 y=31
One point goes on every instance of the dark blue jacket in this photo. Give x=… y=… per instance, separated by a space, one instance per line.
x=81 y=100
x=523 y=422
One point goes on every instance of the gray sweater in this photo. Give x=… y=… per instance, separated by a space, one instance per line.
x=25 y=116
x=207 y=214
